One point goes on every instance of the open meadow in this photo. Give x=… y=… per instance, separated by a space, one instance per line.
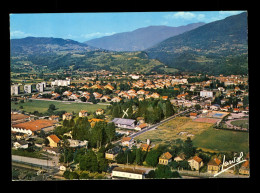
x=42 y=106
x=178 y=128
x=203 y=135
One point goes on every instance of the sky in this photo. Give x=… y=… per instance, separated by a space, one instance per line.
x=85 y=26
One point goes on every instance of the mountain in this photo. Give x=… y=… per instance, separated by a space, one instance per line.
x=217 y=47
x=139 y=39
x=54 y=54
x=33 y=45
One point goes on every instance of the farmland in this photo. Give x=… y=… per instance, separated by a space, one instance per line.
x=42 y=106
x=178 y=128
x=222 y=140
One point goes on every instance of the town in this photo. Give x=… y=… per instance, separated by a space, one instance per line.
x=107 y=125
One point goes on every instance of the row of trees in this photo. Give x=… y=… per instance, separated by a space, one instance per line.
x=152 y=110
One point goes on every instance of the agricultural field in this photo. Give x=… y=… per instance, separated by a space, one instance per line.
x=222 y=140
x=240 y=123
x=178 y=128
x=42 y=106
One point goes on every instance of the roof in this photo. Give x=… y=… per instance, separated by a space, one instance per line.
x=143 y=125
x=215 y=162
x=122 y=121
x=18 y=116
x=197 y=159
x=54 y=138
x=129 y=170
x=166 y=155
x=35 y=125
x=126 y=139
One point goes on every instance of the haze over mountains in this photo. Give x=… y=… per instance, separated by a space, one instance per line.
x=140 y=39
x=218 y=47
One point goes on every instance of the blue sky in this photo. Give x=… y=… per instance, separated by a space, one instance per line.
x=85 y=26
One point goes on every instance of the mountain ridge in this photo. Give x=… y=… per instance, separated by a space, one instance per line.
x=141 y=38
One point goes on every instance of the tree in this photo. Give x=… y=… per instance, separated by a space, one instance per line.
x=73 y=175
x=151 y=174
x=52 y=107
x=164 y=171
x=188 y=148
x=152 y=158
x=110 y=131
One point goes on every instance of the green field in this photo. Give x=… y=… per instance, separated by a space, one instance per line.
x=222 y=140
x=42 y=106
x=239 y=123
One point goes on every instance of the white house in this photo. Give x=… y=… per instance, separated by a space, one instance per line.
x=205 y=93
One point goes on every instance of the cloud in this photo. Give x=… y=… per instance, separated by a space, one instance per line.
x=180 y=15
x=97 y=34
x=19 y=34
x=185 y=16
x=229 y=12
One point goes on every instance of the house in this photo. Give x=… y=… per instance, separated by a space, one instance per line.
x=50 y=150
x=54 y=118
x=195 y=163
x=128 y=173
x=67 y=116
x=54 y=140
x=141 y=126
x=112 y=153
x=236 y=110
x=193 y=115
x=83 y=113
x=127 y=141
x=165 y=98
x=99 y=112
x=108 y=86
x=106 y=98
x=141 y=91
x=179 y=158
x=116 y=99
x=155 y=95
x=145 y=147
x=97 y=95
x=205 y=93
x=214 y=107
x=21 y=144
x=165 y=158
x=93 y=121
x=77 y=143
x=214 y=166
x=124 y=123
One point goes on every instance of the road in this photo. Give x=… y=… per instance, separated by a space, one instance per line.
x=154 y=126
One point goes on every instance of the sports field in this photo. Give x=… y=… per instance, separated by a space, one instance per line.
x=42 y=106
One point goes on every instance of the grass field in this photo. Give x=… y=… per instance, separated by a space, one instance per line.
x=171 y=131
x=239 y=123
x=222 y=140
x=42 y=106
x=205 y=136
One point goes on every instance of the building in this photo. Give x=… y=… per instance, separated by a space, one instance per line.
x=67 y=116
x=15 y=89
x=180 y=157
x=141 y=126
x=128 y=173
x=77 y=143
x=214 y=166
x=83 y=113
x=205 y=93
x=27 y=88
x=32 y=127
x=195 y=163
x=40 y=86
x=99 y=112
x=165 y=158
x=54 y=140
x=127 y=141
x=112 y=153
x=60 y=83
x=124 y=123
